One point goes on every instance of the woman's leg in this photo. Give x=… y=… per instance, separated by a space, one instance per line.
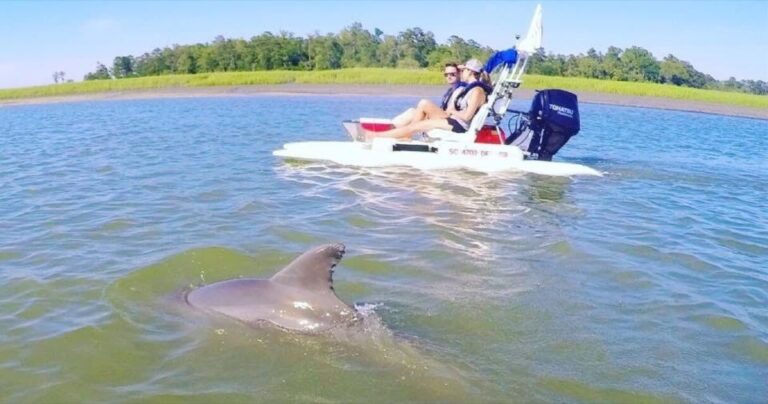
x=404 y=118
x=424 y=110
x=418 y=114
x=431 y=110
x=406 y=132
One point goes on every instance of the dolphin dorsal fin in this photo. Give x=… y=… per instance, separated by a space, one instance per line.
x=313 y=269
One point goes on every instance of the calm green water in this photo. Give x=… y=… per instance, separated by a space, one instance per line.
x=650 y=284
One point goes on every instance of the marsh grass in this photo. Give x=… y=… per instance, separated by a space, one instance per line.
x=379 y=76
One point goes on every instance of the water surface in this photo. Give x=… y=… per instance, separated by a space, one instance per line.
x=649 y=284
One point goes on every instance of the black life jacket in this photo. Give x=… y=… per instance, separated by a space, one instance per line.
x=464 y=91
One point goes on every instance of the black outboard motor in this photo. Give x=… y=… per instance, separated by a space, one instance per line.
x=552 y=120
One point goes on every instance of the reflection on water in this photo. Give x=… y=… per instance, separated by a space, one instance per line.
x=462 y=208
x=648 y=284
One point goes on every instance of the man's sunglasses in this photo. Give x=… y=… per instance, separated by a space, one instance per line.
x=449 y=74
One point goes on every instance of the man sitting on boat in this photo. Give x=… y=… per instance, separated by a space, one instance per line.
x=426 y=109
x=456 y=117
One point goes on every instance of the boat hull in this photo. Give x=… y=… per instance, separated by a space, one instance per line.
x=437 y=155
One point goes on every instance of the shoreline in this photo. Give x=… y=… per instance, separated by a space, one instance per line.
x=385 y=90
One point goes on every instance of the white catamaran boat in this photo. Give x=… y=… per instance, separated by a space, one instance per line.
x=538 y=135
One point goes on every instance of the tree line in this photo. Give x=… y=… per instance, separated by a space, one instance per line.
x=355 y=46
x=636 y=64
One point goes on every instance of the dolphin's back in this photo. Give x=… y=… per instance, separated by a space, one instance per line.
x=299 y=297
x=255 y=301
x=233 y=292
x=244 y=299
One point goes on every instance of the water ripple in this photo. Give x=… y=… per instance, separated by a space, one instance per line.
x=647 y=284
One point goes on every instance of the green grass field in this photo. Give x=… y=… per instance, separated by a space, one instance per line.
x=377 y=76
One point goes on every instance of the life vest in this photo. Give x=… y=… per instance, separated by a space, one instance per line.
x=464 y=91
x=449 y=93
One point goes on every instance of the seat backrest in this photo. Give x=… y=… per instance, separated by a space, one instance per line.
x=497 y=102
x=478 y=120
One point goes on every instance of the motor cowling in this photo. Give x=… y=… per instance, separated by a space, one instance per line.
x=554 y=119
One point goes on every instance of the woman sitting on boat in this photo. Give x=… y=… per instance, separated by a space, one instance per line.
x=458 y=116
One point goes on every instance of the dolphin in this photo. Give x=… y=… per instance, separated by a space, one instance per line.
x=298 y=298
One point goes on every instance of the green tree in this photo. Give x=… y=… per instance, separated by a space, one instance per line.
x=416 y=44
x=264 y=49
x=324 y=52
x=571 y=66
x=186 y=63
x=290 y=52
x=698 y=79
x=152 y=64
x=673 y=71
x=206 y=62
x=101 y=73
x=388 y=51
x=591 y=65
x=460 y=50
x=224 y=55
x=547 y=65
x=588 y=67
x=612 y=64
x=122 y=66
x=756 y=87
x=440 y=56
x=640 y=65
x=732 y=84
x=359 y=46
x=59 y=77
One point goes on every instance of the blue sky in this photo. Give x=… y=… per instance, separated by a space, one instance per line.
x=721 y=38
